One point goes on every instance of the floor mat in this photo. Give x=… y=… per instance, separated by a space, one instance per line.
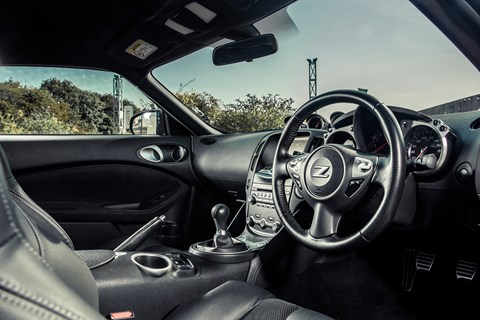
x=348 y=289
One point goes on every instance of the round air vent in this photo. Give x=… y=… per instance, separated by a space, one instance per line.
x=475 y=124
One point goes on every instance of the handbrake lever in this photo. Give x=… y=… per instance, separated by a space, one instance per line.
x=132 y=242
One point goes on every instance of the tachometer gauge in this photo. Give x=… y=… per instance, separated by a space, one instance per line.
x=378 y=144
x=423 y=140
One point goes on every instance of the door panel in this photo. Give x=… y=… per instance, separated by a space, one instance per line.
x=99 y=187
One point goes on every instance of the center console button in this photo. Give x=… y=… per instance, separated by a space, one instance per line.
x=263 y=223
x=276 y=226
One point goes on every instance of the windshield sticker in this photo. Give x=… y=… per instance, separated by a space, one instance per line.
x=141 y=49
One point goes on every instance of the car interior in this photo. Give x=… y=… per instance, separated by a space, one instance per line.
x=370 y=212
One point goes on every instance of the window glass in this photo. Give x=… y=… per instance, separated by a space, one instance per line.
x=387 y=48
x=44 y=100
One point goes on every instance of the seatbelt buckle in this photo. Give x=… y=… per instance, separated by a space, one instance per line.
x=121 y=315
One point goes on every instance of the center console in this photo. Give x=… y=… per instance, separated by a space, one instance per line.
x=261 y=219
x=152 y=283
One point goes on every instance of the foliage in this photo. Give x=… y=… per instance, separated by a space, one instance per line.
x=56 y=107
x=33 y=110
x=250 y=114
x=93 y=111
x=60 y=107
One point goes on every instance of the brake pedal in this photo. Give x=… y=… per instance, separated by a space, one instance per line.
x=413 y=262
x=466 y=270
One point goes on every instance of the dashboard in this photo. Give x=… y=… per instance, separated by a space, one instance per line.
x=442 y=154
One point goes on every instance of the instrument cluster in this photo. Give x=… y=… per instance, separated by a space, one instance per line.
x=428 y=142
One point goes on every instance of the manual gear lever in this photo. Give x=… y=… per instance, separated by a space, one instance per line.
x=222 y=238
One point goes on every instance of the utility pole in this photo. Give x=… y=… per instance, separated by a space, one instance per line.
x=312 y=78
x=118 y=107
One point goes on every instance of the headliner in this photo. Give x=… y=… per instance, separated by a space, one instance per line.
x=95 y=34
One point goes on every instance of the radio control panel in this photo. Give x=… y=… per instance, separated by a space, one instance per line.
x=262 y=219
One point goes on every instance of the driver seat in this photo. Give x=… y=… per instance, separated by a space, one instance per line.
x=41 y=277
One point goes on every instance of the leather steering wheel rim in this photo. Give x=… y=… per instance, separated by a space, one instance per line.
x=387 y=172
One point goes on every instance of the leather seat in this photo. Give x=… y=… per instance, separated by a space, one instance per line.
x=41 y=277
x=34 y=212
x=240 y=300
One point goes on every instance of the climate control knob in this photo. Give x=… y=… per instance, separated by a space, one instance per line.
x=252 y=199
x=250 y=221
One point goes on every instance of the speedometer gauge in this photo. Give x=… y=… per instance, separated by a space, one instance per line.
x=421 y=141
x=428 y=146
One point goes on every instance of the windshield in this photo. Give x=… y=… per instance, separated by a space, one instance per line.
x=387 y=48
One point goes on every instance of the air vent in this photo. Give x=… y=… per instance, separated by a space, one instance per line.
x=475 y=124
x=255 y=156
x=208 y=141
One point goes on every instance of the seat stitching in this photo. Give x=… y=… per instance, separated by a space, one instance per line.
x=46 y=216
x=7 y=239
x=37 y=234
x=19 y=303
x=16 y=289
x=15 y=229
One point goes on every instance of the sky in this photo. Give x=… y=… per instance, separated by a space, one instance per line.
x=388 y=47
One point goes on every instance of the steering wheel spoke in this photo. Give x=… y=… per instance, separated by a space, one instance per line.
x=294 y=166
x=281 y=167
x=382 y=171
x=325 y=222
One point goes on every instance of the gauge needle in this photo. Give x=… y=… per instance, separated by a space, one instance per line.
x=381 y=147
x=421 y=152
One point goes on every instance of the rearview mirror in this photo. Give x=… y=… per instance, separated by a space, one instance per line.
x=150 y=122
x=245 y=50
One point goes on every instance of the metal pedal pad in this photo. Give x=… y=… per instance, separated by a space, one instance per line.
x=413 y=262
x=424 y=261
x=466 y=270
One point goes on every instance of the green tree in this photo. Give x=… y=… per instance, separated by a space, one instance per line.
x=255 y=113
x=203 y=104
x=250 y=114
x=94 y=110
x=24 y=109
x=57 y=107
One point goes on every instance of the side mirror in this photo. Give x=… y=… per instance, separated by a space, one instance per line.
x=245 y=50
x=151 y=122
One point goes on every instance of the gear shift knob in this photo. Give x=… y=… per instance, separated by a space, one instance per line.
x=220 y=213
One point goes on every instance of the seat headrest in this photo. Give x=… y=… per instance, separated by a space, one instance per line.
x=5 y=164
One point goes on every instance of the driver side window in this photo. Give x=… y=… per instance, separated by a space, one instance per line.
x=67 y=101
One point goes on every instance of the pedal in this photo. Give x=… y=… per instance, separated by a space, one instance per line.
x=466 y=270
x=413 y=262
x=424 y=261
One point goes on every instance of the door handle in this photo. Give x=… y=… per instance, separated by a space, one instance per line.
x=152 y=153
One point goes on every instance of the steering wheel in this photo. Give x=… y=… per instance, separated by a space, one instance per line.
x=334 y=178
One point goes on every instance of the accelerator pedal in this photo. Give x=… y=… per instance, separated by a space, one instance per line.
x=466 y=270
